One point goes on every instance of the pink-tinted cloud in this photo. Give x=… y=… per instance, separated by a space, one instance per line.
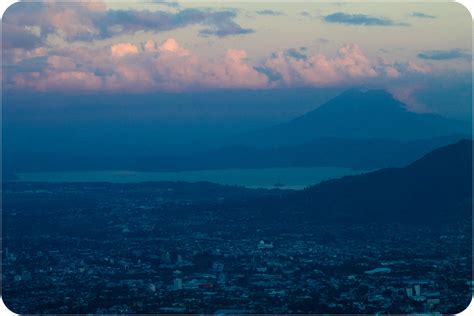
x=418 y=68
x=129 y=67
x=318 y=69
x=233 y=71
x=172 y=46
x=388 y=68
x=91 y=20
x=61 y=63
x=392 y=72
x=123 y=49
x=17 y=55
x=168 y=66
x=70 y=80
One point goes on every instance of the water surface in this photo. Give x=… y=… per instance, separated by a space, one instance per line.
x=290 y=178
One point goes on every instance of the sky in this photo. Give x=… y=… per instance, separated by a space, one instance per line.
x=131 y=76
x=168 y=46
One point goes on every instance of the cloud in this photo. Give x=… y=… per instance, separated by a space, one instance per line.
x=406 y=93
x=61 y=63
x=222 y=25
x=269 y=12
x=68 y=80
x=170 y=4
x=16 y=56
x=123 y=49
x=29 y=25
x=172 y=46
x=422 y=15
x=322 y=40
x=17 y=36
x=446 y=54
x=168 y=66
x=418 y=68
x=318 y=69
x=297 y=67
x=360 y=19
x=295 y=53
x=165 y=66
x=388 y=68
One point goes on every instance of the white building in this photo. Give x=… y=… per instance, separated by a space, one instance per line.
x=263 y=245
x=152 y=287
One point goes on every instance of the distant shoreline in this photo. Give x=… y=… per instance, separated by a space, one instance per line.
x=296 y=178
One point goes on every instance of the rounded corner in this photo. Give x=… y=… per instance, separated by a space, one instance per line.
x=9 y=8
x=466 y=310
x=5 y=309
x=463 y=7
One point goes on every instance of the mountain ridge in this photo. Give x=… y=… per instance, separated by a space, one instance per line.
x=357 y=114
x=425 y=191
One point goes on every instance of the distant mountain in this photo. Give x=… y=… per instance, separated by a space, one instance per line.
x=433 y=189
x=8 y=176
x=357 y=114
x=323 y=152
x=362 y=154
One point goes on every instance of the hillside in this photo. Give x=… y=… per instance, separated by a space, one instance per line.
x=434 y=189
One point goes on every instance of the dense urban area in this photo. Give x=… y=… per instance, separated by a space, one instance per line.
x=193 y=248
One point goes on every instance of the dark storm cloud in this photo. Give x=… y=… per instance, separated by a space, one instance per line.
x=360 y=19
x=445 y=54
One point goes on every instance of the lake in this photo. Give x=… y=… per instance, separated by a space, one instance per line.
x=291 y=178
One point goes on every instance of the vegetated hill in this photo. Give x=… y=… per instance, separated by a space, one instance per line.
x=434 y=189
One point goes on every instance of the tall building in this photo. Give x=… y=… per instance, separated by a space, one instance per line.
x=179 y=260
x=221 y=279
x=417 y=290
x=166 y=257
x=178 y=284
x=152 y=287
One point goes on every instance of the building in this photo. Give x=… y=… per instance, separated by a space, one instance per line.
x=152 y=287
x=177 y=284
x=26 y=276
x=263 y=245
x=217 y=267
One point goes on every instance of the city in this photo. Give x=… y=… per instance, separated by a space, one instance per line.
x=166 y=248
